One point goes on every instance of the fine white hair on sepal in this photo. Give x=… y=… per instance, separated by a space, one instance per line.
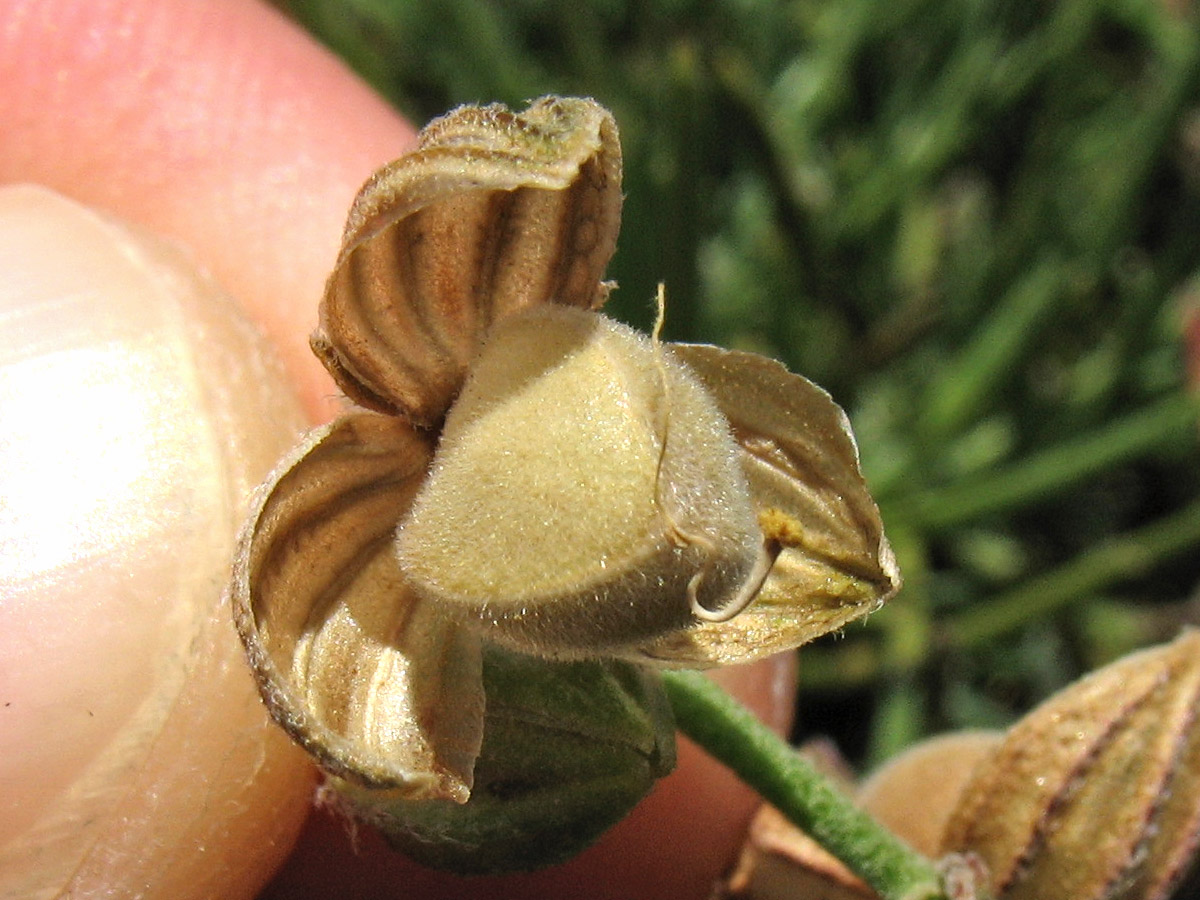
x=586 y=493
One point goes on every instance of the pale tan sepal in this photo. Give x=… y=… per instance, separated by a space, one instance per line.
x=781 y=862
x=492 y=213
x=377 y=685
x=801 y=463
x=914 y=792
x=1093 y=795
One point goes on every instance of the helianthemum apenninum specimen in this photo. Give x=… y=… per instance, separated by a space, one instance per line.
x=533 y=504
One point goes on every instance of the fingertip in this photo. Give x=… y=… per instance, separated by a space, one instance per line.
x=139 y=409
x=219 y=125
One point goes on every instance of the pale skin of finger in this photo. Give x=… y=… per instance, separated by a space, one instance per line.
x=139 y=407
x=222 y=127
x=216 y=124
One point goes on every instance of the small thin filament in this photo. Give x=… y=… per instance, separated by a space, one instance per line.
x=745 y=594
x=680 y=536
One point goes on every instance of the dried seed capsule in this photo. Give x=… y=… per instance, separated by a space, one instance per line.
x=587 y=499
x=586 y=493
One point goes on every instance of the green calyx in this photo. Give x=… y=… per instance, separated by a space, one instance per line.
x=568 y=750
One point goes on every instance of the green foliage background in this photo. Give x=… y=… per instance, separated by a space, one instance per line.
x=977 y=224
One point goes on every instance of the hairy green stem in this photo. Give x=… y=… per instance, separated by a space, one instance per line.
x=731 y=734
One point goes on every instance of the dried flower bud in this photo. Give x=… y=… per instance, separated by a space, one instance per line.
x=1095 y=794
x=568 y=749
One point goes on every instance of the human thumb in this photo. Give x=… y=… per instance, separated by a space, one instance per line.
x=137 y=412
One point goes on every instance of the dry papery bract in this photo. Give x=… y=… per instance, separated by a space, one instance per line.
x=525 y=472
x=490 y=214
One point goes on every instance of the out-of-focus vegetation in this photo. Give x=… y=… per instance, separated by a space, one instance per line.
x=977 y=224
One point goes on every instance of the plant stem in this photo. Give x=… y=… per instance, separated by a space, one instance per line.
x=731 y=734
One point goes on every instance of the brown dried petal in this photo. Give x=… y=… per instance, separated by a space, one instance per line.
x=377 y=685
x=493 y=212
x=802 y=466
x=1094 y=794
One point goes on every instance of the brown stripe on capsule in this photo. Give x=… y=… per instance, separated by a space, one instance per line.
x=1094 y=795
x=1175 y=839
x=492 y=213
